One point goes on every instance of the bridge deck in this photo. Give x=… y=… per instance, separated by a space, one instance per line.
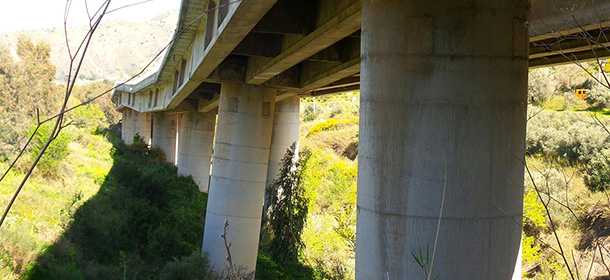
x=313 y=48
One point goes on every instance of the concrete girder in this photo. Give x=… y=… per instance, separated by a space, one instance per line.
x=553 y=18
x=343 y=23
x=230 y=34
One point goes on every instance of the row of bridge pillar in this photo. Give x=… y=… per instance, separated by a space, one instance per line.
x=245 y=144
x=441 y=148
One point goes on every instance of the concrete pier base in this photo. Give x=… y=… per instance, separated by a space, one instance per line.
x=195 y=147
x=165 y=131
x=443 y=101
x=239 y=172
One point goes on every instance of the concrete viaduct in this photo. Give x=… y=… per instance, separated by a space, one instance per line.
x=443 y=89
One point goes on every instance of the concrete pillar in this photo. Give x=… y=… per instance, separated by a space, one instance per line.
x=285 y=132
x=195 y=149
x=164 y=134
x=127 y=126
x=443 y=101
x=239 y=172
x=141 y=124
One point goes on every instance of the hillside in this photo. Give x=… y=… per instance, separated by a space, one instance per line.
x=119 y=49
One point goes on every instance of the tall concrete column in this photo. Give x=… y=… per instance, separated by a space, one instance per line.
x=142 y=123
x=164 y=134
x=239 y=172
x=127 y=126
x=195 y=149
x=443 y=101
x=285 y=132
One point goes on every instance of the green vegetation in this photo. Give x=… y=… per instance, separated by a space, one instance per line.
x=329 y=178
x=94 y=208
x=567 y=149
x=287 y=210
x=98 y=209
x=144 y=221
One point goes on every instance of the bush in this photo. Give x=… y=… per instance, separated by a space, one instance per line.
x=566 y=135
x=144 y=223
x=598 y=97
x=53 y=158
x=288 y=210
x=267 y=268
x=541 y=85
x=330 y=124
x=597 y=172
x=188 y=268
x=556 y=103
x=89 y=116
x=534 y=215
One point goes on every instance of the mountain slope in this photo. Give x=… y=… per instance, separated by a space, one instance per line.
x=118 y=50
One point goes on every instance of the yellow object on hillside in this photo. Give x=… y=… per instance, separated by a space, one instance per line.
x=581 y=93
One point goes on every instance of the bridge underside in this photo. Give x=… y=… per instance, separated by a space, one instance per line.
x=442 y=123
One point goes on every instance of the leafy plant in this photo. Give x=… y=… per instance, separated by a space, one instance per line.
x=288 y=210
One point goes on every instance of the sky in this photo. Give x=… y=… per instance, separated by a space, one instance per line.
x=16 y=15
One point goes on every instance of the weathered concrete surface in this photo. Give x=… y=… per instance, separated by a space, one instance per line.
x=241 y=156
x=551 y=18
x=443 y=100
x=285 y=132
x=195 y=147
x=241 y=18
x=142 y=125
x=165 y=133
x=127 y=126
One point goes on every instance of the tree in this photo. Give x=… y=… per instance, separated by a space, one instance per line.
x=288 y=209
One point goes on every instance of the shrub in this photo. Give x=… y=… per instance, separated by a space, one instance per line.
x=55 y=155
x=267 y=268
x=188 y=268
x=330 y=124
x=89 y=116
x=288 y=210
x=556 y=103
x=597 y=172
x=566 y=135
x=541 y=85
x=157 y=154
x=534 y=215
x=598 y=97
x=144 y=223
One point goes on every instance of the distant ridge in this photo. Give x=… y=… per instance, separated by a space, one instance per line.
x=119 y=49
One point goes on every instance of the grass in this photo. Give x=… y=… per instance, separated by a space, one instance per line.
x=113 y=213
x=39 y=215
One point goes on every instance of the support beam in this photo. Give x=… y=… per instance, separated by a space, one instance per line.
x=344 y=23
x=195 y=149
x=442 y=126
x=335 y=74
x=230 y=33
x=165 y=133
x=570 y=58
x=237 y=187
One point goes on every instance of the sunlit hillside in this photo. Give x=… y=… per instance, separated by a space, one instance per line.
x=119 y=49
